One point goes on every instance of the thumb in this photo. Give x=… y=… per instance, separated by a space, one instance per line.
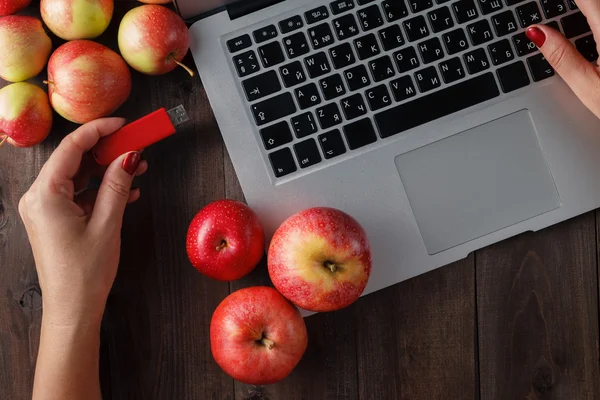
x=575 y=70
x=114 y=191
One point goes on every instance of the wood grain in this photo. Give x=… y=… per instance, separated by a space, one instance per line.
x=537 y=302
x=416 y=340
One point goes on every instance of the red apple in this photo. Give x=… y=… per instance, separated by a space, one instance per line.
x=320 y=259
x=77 y=19
x=153 y=39
x=87 y=81
x=225 y=240
x=25 y=115
x=25 y=47
x=8 y=7
x=257 y=336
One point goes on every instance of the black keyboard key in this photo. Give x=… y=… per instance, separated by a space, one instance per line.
x=572 y=4
x=340 y=6
x=465 y=11
x=427 y=79
x=246 y=63
x=431 y=50
x=273 y=109
x=317 y=65
x=501 y=52
x=276 y=135
x=436 y=105
x=403 y=88
x=357 y=77
x=513 y=2
x=296 y=45
x=391 y=37
x=271 y=54
x=455 y=41
x=345 y=27
x=452 y=70
x=528 y=14
x=332 y=144
x=321 y=36
x=366 y=46
x=419 y=5
x=513 y=77
x=504 y=23
x=378 y=97
x=587 y=47
x=292 y=74
x=307 y=153
x=553 y=8
x=553 y=25
x=342 y=56
x=282 y=162
x=262 y=85
x=353 y=106
x=360 y=133
x=523 y=45
x=440 y=19
x=329 y=116
x=291 y=24
x=415 y=28
x=575 y=25
x=239 y=43
x=304 y=125
x=332 y=87
x=381 y=68
x=363 y=2
x=316 y=15
x=307 y=96
x=264 y=34
x=539 y=67
x=370 y=18
x=394 y=10
x=480 y=32
x=476 y=61
x=489 y=6
x=406 y=59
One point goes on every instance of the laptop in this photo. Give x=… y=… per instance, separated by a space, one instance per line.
x=435 y=123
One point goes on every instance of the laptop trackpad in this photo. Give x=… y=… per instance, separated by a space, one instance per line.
x=477 y=182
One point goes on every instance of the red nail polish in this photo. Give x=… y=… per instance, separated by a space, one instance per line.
x=536 y=35
x=131 y=162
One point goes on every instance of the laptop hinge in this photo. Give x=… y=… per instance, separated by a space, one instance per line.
x=241 y=8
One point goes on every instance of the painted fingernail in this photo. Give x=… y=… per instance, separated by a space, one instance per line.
x=131 y=162
x=536 y=35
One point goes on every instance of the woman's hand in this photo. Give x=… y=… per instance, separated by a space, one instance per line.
x=75 y=235
x=582 y=76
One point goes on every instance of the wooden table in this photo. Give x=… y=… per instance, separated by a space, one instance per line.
x=515 y=320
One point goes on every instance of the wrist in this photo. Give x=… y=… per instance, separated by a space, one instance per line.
x=76 y=316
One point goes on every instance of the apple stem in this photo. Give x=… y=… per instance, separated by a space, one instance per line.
x=222 y=245
x=330 y=266
x=3 y=140
x=182 y=65
x=48 y=83
x=268 y=343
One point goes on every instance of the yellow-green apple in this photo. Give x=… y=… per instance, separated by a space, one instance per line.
x=320 y=259
x=225 y=240
x=77 y=19
x=87 y=81
x=25 y=115
x=257 y=336
x=8 y=7
x=153 y=39
x=25 y=48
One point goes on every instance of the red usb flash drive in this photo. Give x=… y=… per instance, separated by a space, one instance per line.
x=139 y=134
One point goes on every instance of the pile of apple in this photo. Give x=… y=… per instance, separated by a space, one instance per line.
x=86 y=80
x=319 y=260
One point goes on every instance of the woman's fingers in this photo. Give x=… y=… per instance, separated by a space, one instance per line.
x=577 y=72
x=591 y=10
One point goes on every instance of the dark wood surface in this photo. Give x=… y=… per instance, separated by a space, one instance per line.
x=517 y=320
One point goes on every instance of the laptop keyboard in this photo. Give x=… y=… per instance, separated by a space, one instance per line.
x=341 y=76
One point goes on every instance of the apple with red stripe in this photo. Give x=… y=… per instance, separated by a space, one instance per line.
x=8 y=7
x=320 y=259
x=25 y=115
x=87 y=81
x=77 y=19
x=257 y=336
x=153 y=40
